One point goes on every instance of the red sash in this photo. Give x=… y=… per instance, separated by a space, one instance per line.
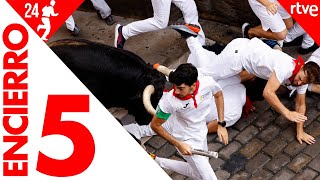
x=189 y=96
x=298 y=64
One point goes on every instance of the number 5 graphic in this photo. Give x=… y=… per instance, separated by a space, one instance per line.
x=83 y=142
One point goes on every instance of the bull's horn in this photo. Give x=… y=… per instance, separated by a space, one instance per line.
x=148 y=91
x=164 y=70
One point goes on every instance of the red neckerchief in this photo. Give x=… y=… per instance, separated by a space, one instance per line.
x=248 y=106
x=189 y=96
x=298 y=64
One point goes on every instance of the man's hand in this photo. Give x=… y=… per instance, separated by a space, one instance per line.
x=272 y=8
x=296 y=117
x=306 y=138
x=223 y=134
x=185 y=149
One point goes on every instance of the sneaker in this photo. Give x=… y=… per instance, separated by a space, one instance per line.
x=109 y=20
x=296 y=42
x=245 y=30
x=272 y=43
x=186 y=30
x=119 y=40
x=308 y=50
x=75 y=31
x=216 y=48
x=280 y=43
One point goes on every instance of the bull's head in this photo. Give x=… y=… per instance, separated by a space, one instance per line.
x=150 y=89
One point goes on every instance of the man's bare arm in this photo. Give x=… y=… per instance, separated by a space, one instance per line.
x=264 y=2
x=269 y=93
x=271 y=7
x=221 y=131
x=156 y=126
x=218 y=98
x=315 y=88
x=301 y=108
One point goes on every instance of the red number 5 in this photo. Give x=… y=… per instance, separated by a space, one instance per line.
x=80 y=136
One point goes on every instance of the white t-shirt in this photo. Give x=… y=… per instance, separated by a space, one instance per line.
x=261 y=61
x=186 y=121
x=315 y=57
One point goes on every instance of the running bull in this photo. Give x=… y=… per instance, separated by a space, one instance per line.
x=118 y=78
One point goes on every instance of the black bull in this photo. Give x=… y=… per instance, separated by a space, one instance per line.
x=115 y=77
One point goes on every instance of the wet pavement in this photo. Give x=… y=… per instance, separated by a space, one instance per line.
x=261 y=146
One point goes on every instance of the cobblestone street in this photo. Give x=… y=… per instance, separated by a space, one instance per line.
x=261 y=146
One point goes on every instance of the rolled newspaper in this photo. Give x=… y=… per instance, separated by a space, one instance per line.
x=205 y=153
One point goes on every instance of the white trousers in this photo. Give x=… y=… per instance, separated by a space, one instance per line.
x=297 y=31
x=99 y=5
x=268 y=21
x=196 y=167
x=70 y=23
x=224 y=65
x=102 y=7
x=160 y=19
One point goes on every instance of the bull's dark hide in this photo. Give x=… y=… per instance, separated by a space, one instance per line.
x=116 y=77
x=254 y=89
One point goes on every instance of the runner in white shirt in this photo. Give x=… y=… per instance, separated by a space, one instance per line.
x=234 y=96
x=259 y=59
x=181 y=119
x=103 y=12
x=275 y=21
x=315 y=57
x=160 y=19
